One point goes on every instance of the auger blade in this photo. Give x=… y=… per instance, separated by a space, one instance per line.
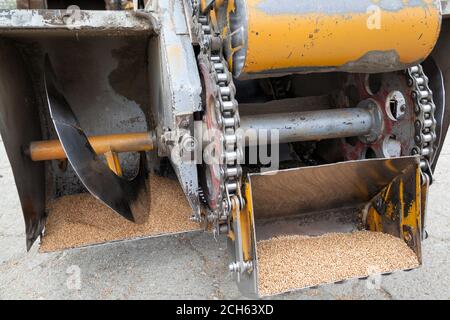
x=129 y=198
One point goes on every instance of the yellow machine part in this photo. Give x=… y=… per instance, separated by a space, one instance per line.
x=397 y=209
x=246 y=223
x=115 y=143
x=284 y=36
x=109 y=145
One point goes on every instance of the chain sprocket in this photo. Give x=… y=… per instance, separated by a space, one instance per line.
x=221 y=116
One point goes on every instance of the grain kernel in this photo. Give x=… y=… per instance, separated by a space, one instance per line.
x=81 y=220
x=287 y=263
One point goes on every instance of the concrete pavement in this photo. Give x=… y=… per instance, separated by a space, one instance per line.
x=191 y=266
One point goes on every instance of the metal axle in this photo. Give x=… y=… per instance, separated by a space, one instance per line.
x=291 y=127
x=312 y=125
x=126 y=142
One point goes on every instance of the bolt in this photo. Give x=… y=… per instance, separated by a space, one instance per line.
x=211 y=217
x=188 y=144
x=248 y=265
x=223 y=228
x=184 y=123
x=195 y=218
x=234 y=267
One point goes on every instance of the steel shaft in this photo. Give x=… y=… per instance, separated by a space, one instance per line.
x=310 y=125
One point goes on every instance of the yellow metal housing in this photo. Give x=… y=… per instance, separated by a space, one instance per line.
x=267 y=37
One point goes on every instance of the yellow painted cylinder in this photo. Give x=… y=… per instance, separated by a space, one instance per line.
x=267 y=37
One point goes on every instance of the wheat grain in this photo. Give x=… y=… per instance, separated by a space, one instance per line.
x=292 y=262
x=80 y=220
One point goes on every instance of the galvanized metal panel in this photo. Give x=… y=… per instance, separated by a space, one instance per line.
x=176 y=88
x=19 y=125
x=320 y=188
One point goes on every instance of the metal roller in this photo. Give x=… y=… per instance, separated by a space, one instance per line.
x=267 y=37
x=313 y=125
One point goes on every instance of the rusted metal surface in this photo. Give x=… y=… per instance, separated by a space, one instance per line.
x=266 y=37
x=392 y=96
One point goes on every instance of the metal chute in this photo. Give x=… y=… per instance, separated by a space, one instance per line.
x=382 y=195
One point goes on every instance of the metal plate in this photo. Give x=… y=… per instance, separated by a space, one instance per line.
x=19 y=125
x=320 y=188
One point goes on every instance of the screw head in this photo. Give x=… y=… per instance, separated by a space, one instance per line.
x=233 y=267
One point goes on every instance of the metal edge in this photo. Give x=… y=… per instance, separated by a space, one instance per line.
x=339 y=282
x=333 y=164
x=255 y=275
x=106 y=243
x=19 y=125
